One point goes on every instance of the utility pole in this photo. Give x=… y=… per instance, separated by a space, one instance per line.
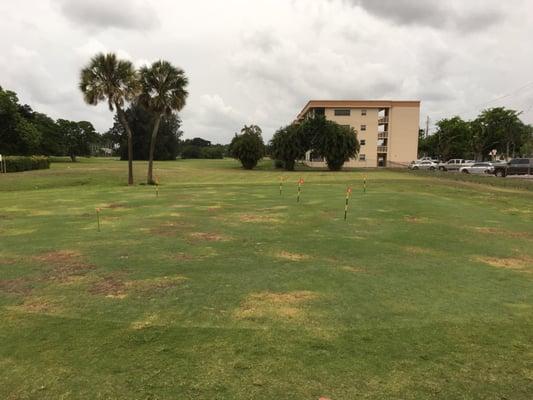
x=427 y=126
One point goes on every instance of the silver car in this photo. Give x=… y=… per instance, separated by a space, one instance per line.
x=427 y=165
x=478 y=168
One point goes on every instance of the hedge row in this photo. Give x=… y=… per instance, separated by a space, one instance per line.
x=19 y=163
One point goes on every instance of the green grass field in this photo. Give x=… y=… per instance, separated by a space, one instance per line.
x=220 y=288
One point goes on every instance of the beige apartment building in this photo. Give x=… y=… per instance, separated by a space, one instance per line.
x=387 y=130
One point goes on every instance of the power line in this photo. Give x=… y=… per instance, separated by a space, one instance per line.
x=498 y=98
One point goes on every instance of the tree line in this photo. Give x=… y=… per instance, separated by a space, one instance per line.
x=26 y=132
x=497 y=129
x=335 y=143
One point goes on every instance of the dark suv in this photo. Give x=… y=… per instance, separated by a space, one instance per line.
x=517 y=166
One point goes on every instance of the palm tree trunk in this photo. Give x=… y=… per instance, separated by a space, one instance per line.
x=126 y=126
x=150 y=178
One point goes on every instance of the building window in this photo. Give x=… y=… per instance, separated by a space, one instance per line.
x=363 y=127
x=363 y=112
x=363 y=142
x=362 y=157
x=342 y=113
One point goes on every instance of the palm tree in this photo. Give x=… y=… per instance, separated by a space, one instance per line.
x=163 y=92
x=108 y=78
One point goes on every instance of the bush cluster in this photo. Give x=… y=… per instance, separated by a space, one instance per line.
x=23 y=163
x=248 y=147
x=195 y=152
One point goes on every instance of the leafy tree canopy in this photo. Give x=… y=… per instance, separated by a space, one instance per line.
x=248 y=147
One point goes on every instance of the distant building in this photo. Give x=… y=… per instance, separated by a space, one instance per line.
x=387 y=130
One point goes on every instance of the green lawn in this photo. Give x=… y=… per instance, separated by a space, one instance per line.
x=220 y=288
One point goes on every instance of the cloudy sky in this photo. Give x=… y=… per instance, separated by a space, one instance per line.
x=260 y=61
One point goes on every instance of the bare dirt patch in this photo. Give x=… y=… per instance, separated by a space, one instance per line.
x=38 y=305
x=504 y=232
x=19 y=286
x=115 y=287
x=183 y=257
x=169 y=228
x=285 y=306
x=417 y=250
x=111 y=286
x=354 y=270
x=415 y=220
x=155 y=284
x=208 y=237
x=259 y=218
x=292 y=256
x=115 y=206
x=67 y=264
x=521 y=264
x=147 y=322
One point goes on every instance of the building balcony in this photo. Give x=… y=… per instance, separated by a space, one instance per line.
x=382 y=149
x=383 y=120
x=383 y=135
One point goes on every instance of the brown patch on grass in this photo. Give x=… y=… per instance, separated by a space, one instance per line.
x=114 y=287
x=415 y=220
x=8 y=261
x=183 y=257
x=111 y=286
x=149 y=321
x=159 y=283
x=19 y=286
x=169 y=228
x=522 y=264
x=354 y=270
x=292 y=256
x=503 y=232
x=284 y=306
x=115 y=206
x=259 y=218
x=208 y=237
x=38 y=305
x=417 y=250
x=67 y=265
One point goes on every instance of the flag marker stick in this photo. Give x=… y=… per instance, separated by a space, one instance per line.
x=300 y=182
x=348 y=194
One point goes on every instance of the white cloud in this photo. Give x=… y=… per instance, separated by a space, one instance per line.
x=261 y=61
x=122 y=14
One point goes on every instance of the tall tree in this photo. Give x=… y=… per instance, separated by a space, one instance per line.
x=163 y=92
x=108 y=78
x=288 y=145
x=336 y=143
x=248 y=147
x=141 y=122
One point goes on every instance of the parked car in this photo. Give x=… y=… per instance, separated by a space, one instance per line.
x=427 y=165
x=426 y=159
x=478 y=168
x=455 y=164
x=517 y=166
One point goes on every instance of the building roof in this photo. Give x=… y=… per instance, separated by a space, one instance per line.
x=357 y=104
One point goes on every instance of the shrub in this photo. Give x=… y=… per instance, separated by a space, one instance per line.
x=19 y=164
x=288 y=145
x=278 y=164
x=336 y=143
x=191 y=151
x=248 y=147
x=213 y=152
